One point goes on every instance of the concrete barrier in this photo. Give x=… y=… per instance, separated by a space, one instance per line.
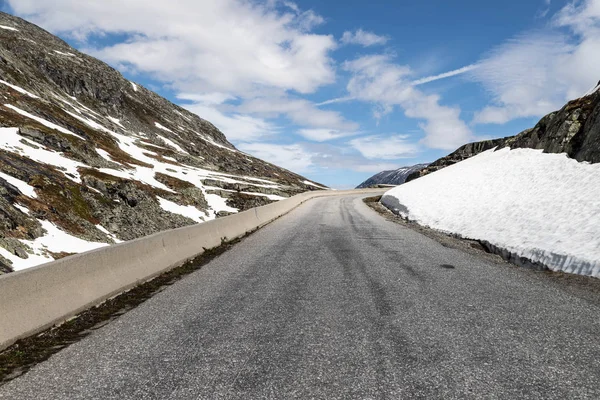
x=38 y=298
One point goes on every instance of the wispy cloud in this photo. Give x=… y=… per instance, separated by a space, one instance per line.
x=420 y=81
x=363 y=38
x=537 y=72
x=378 y=80
x=388 y=147
x=323 y=135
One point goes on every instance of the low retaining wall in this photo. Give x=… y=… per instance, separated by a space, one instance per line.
x=37 y=298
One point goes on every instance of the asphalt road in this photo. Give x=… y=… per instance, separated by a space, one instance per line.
x=333 y=301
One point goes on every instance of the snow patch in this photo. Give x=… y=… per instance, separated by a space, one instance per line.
x=309 y=183
x=23 y=187
x=10 y=140
x=9 y=28
x=164 y=128
x=116 y=121
x=218 y=203
x=174 y=145
x=19 y=89
x=19 y=207
x=187 y=211
x=134 y=86
x=106 y=232
x=104 y=154
x=65 y=54
x=42 y=121
x=543 y=207
x=55 y=240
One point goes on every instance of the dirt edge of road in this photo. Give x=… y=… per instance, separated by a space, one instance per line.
x=584 y=287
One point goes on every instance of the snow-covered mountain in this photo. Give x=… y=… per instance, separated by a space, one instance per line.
x=88 y=158
x=522 y=201
x=393 y=177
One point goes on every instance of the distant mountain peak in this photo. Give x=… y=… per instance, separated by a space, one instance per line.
x=391 y=177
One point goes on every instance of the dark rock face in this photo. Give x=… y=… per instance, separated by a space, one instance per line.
x=133 y=151
x=393 y=177
x=574 y=130
x=464 y=152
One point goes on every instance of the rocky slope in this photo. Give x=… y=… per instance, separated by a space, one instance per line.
x=574 y=130
x=393 y=177
x=88 y=158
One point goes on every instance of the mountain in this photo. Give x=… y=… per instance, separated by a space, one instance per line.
x=393 y=177
x=523 y=200
x=574 y=130
x=88 y=158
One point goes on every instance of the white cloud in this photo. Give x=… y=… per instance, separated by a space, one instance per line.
x=229 y=46
x=363 y=38
x=207 y=98
x=376 y=79
x=537 y=72
x=385 y=147
x=299 y=111
x=311 y=157
x=293 y=157
x=237 y=127
x=323 y=135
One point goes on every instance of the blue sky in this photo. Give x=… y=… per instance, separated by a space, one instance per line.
x=338 y=91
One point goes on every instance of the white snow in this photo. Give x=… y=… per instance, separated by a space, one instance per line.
x=8 y=28
x=10 y=140
x=184 y=117
x=174 y=145
x=134 y=86
x=104 y=154
x=19 y=89
x=309 y=183
x=19 y=207
x=592 y=91
x=544 y=207
x=116 y=121
x=42 y=121
x=105 y=231
x=19 y=184
x=187 y=211
x=164 y=128
x=217 y=203
x=65 y=54
x=54 y=240
x=215 y=143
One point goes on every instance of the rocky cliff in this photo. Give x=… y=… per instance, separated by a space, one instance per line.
x=393 y=177
x=574 y=130
x=88 y=158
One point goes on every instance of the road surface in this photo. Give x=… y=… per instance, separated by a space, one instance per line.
x=334 y=302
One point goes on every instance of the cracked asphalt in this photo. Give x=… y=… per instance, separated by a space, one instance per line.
x=332 y=301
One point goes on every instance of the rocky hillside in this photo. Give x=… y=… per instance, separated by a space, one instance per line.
x=88 y=158
x=393 y=177
x=574 y=130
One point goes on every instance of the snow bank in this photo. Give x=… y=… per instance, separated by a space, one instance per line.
x=543 y=207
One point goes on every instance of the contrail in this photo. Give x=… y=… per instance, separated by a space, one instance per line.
x=337 y=100
x=413 y=83
x=444 y=75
